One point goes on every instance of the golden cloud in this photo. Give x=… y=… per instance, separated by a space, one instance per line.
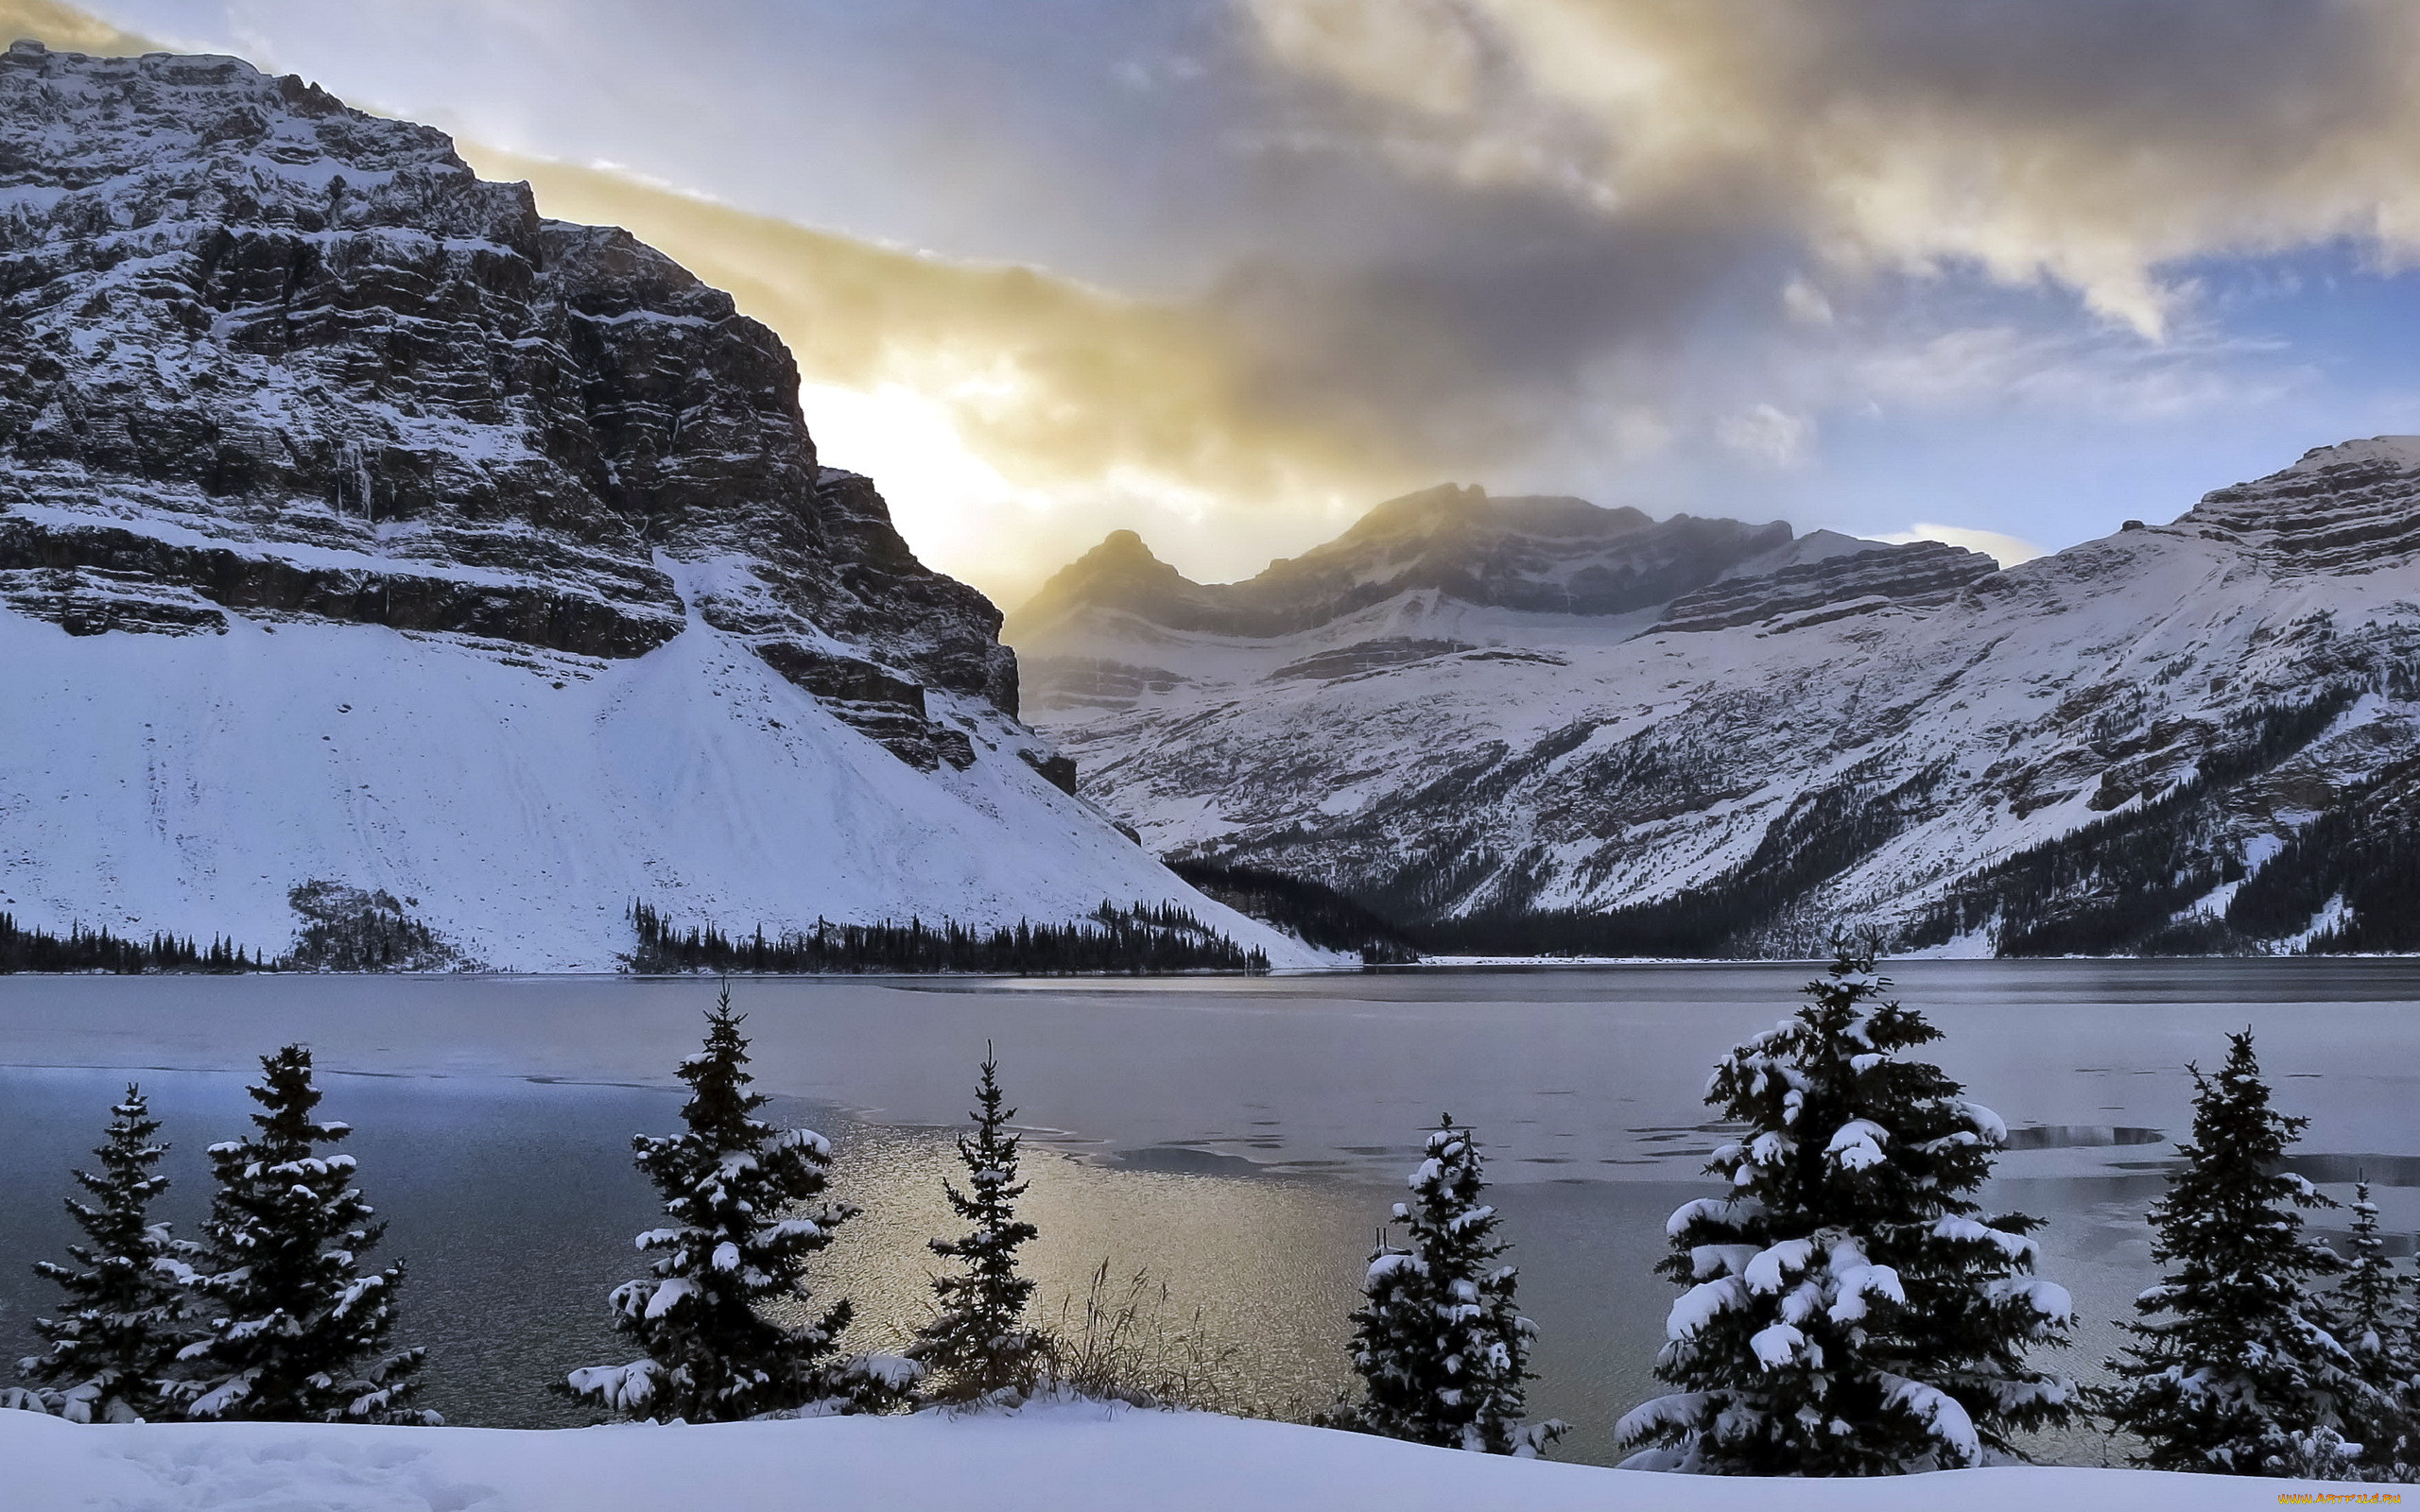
x=2071 y=140
x=1014 y=416
x=68 y=31
x=1092 y=410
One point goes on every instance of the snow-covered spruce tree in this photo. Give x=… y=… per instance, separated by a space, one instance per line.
x=2236 y=1363
x=293 y=1331
x=746 y=1201
x=1439 y=1341
x=977 y=1345
x=1850 y=1309
x=112 y=1347
x=2373 y=1306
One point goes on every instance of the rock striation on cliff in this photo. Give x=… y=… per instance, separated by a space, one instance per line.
x=1916 y=574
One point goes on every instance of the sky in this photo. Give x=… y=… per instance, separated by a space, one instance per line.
x=1229 y=273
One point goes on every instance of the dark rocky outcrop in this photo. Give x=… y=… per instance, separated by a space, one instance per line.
x=1366 y=656
x=344 y=928
x=1917 y=574
x=261 y=353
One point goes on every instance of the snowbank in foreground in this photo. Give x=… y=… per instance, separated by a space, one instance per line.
x=1056 y=1459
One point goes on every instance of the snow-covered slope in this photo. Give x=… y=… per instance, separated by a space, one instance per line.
x=2191 y=737
x=518 y=801
x=359 y=525
x=1064 y=1458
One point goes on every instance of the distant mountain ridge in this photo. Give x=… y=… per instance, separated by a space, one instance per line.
x=360 y=526
x=2185 y=738
x=1541 y=555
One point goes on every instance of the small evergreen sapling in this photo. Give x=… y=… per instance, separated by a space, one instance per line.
x=2236 y=1367
x=113 y=1346
x=1439 y=1341
x=748 y=1207
x=2370 y=1298
x=294 y=1331
x=1850 y=1309
x=978 y=1344
x=2373 y=1304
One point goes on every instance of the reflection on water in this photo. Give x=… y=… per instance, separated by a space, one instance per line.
x=1259 y=1272
x=1236 y=1140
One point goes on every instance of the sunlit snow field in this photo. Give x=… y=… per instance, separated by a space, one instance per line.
x=1237 y=1139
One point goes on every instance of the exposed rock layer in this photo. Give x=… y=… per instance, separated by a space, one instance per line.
x=1919 y=572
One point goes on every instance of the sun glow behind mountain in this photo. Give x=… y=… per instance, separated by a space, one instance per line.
x=1229 y=271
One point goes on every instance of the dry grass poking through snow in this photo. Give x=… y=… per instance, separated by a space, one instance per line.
x=1126 y=1341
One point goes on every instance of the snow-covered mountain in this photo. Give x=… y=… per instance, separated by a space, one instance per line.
x=2190 y=737
x=359 y=525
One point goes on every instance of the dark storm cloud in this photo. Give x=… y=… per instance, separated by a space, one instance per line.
x=2077 y=141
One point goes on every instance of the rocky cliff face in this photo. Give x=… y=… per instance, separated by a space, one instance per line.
x=262 y=353
x=2191 y=737
x=360 y=526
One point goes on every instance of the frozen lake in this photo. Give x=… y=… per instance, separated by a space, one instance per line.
x=1237 y=1139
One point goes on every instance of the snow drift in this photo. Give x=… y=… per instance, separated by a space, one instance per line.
x=1081 y=1458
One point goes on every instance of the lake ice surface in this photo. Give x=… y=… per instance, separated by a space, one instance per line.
x=1237 y=1139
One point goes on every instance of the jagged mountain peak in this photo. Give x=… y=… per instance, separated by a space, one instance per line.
x=1470 y=508
x=1421 y=508
x=1550 y=553
x=335 y=357
x=1121 y=575
x=2400 y=453
x=1446 y=571
x=1120 y=554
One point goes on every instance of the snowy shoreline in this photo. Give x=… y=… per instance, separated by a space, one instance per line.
x=1057 y=1458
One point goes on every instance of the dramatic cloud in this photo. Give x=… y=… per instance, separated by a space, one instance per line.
x=2072 y=139
x=1769 y=435
x=1013 y=418
x=70 y=30
x=1228 y=271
